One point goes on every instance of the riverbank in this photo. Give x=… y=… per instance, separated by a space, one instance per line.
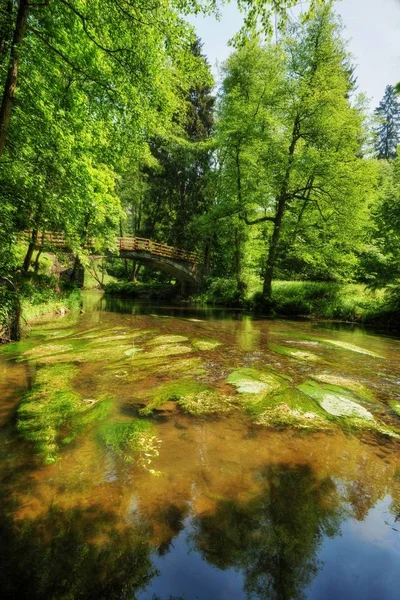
x=351 y=303
x=23 y=300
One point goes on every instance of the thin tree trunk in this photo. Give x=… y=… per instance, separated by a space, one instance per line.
x=30 y=251
x=121 y=234
x=238 y=256
x=10 y=84
x=36 y=265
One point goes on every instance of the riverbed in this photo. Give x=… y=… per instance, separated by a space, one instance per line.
x=165 y=453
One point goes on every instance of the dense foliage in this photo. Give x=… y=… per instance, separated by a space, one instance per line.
x=110 y=125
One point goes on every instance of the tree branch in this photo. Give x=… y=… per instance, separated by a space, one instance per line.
x=69 y=62
x=244 y=217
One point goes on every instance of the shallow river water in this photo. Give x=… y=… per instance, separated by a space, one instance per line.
x=174 y=453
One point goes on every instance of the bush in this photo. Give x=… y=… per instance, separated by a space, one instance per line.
x=123 y=288
x=226 y=291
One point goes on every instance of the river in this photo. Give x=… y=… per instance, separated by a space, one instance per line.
x=161 y=453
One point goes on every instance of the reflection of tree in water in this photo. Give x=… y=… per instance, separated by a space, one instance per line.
x=274 y=538
x=75 y=554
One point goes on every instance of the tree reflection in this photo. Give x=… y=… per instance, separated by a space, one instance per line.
x=274 y=538
x=80 y=553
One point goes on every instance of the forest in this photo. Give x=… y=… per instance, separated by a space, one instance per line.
x=279 y=177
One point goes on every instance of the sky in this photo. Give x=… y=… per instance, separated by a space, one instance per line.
x=372 y=28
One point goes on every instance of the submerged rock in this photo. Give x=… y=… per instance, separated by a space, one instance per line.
x=53 y=413
x=127 y=439
x=349 y=384
x=294 y=353
x=351 y=347
x=337 y=402
x=193 y=397
x=395 y=406
x=251 y=381
x=168 y=339
x=205 y=344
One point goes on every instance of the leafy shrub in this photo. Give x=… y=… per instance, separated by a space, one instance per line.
x=225 y=291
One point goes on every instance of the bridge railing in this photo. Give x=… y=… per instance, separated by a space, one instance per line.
x=56 y=239
x=138 y=244
x=53 y=239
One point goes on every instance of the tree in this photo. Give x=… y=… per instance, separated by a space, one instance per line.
x=182 y=160
x=388 y=125
x=293 y=138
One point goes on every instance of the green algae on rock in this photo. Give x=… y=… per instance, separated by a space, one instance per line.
x=127 y=439
x=168 y=339
x=304 y=338
x=395 y=406
x=349 y=384
x=51 y=405
x=44 y=350
x=133 y=351
x=168 y=350
x=336 y=401
x=205 y=344
x=206 y=402
x=250 y=381
x=193 y=397
x=294 y=353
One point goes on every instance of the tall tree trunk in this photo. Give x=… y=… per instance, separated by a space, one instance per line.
x=281 y=204
x=30 y=251
x=78 y=273
x=12 y=73
x=273 y=248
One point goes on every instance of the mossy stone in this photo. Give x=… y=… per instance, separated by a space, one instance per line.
x=127 y=439
x=336 y=401
x=251 y=381
x=205 y=344
x=294 y=353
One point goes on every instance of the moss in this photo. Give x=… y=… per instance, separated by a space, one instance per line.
x=168 y=339
x=133 y=351
x=348 y=384
x=336 y=344
x=336 y=401
x=52 y=412
x=395 y=406
x=351 y=348
x=47 y=407
x=206 y=402
x=193 y=397
x=48 y=350
x=127 y=439
x=251 y=381
x=294 y=353
x=205 y=344
x=168 y=350
x=173 y=390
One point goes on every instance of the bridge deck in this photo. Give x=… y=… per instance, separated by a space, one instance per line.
x=55 y=239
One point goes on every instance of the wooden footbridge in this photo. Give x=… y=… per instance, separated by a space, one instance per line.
x=179 y=263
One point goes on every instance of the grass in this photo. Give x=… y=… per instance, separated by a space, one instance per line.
x=344 y=302
x=56 y=303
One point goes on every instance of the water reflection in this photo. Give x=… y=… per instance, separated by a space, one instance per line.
x=275 y=537
x=80 y=553
x=237 y=511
